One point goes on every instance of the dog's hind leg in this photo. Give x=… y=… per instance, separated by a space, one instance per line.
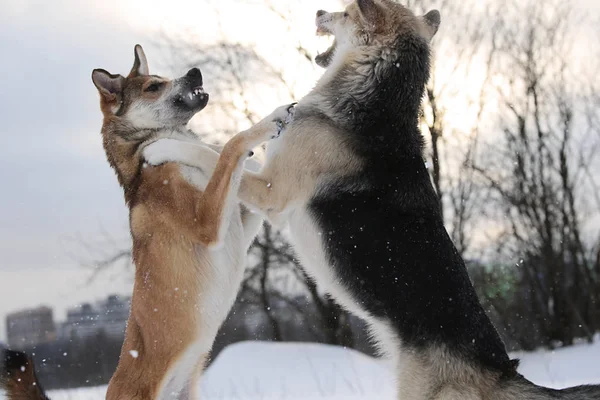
x=181 y=381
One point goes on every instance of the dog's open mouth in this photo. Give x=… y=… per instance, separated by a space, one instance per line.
x=197 y=91
x=324 y=59
x=194 y=98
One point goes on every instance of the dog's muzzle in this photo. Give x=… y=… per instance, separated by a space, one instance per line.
x=322 y=22
x=195 y=97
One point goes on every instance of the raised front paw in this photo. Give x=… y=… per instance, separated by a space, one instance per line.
x=163 y=151
x=268 y=128
x=282 y=117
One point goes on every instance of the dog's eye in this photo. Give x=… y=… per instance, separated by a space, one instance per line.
x=154 y=87
x=346 y=15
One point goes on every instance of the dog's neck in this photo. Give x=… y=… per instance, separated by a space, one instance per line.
x=377 y=88
x=124 y=146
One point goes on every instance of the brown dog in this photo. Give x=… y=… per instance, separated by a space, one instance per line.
x=189 y=246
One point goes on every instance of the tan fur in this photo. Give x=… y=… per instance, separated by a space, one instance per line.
x=437 y=374
x=173 y=226
x=313 y=150
x=177 y=231
x=163 y=320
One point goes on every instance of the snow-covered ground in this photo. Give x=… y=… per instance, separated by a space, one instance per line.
x=293 y=371
x=569 y=366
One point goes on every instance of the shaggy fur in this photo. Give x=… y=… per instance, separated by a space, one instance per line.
x=349 y=178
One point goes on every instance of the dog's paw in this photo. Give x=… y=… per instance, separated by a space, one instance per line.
x=291 y=112
x=282 y=117
x=163 y=151
x=268 y=128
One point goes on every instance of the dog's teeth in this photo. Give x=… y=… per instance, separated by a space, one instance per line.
x=191 y=96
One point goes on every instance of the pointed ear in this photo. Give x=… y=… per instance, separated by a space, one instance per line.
x=432 y=22
x=371 y=12
x=140 y=65
x=110 y=86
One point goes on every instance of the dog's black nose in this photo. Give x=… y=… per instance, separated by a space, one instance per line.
x=321 y=12
x=194 y=73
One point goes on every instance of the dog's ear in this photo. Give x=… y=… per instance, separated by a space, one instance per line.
x=140 y=65
x=109 y=86
x=371 y=12
x=432 y=22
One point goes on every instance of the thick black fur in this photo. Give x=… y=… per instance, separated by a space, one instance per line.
x=383 y=231
x=11 y=362
x=17 y=375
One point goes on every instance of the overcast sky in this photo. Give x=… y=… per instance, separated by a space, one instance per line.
x=56 y=182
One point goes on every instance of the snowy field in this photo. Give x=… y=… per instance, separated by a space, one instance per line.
x=292 y=371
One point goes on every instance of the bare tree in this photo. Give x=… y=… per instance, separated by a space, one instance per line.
x=276 y=282
x=464 y=44
x=538 y=170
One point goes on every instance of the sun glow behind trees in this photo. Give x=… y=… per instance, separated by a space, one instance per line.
x=470 y=79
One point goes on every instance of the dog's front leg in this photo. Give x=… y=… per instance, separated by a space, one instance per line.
x=249 y=164
x=173 y=150
x=200 y=156
x=257 y=192
x=224 y=169
x=271 y=193
x=221 y=191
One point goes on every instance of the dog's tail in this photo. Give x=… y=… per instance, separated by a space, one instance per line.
x=17 y=377
x=522 y=388
x=584 y=392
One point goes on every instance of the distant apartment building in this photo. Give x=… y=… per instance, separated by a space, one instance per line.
x=108 y=316
x=29 y=328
